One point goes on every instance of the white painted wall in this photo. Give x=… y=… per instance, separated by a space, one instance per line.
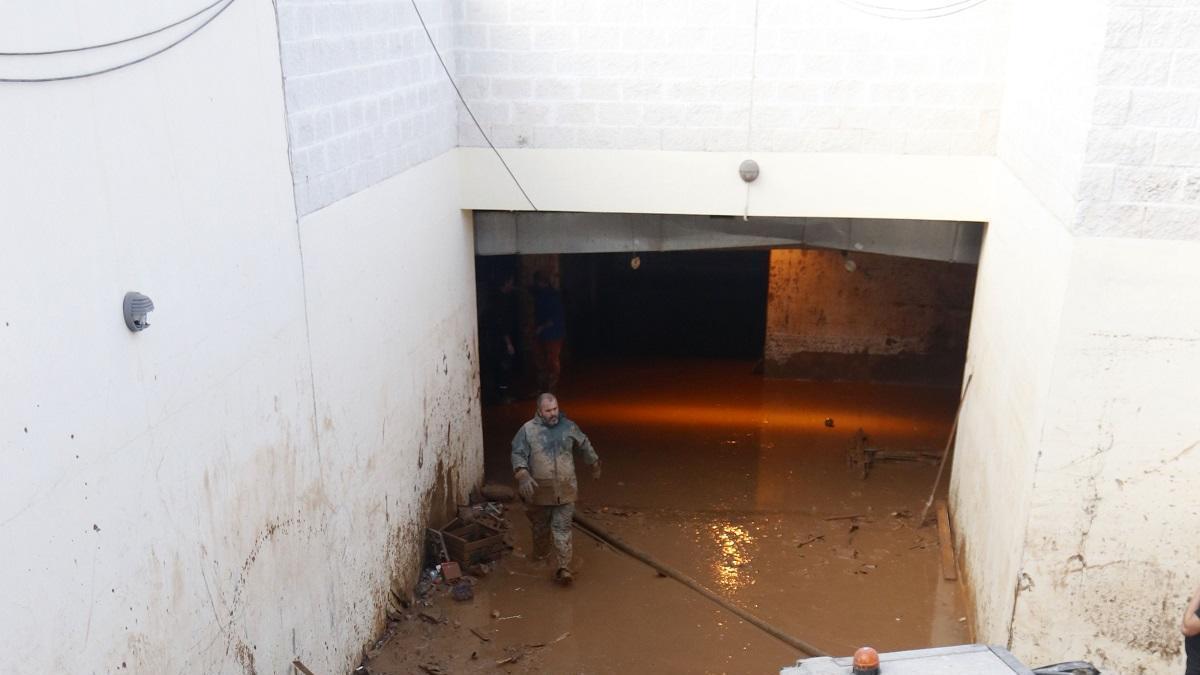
x=151 y=503
x=236 y=486
x=1019 y=297
x=366 y=97
x=391 y=289
x=1050 y=88
x=790 y=184
x=252 y=471
x=1065 y=481
x=705 y=75
x=1111 y=556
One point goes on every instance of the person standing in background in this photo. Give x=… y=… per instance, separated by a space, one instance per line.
x=549 y=331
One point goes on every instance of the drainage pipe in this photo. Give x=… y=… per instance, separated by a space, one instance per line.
x=590 y=527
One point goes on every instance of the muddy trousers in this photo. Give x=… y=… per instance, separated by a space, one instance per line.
x=551 y=523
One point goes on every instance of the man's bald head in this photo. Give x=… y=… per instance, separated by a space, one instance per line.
x=547 y=408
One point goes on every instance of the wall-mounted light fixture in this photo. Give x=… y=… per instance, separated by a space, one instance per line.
x=748 y=170
x=136 y=308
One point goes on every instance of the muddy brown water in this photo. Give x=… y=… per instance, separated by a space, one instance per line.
x=738 y=482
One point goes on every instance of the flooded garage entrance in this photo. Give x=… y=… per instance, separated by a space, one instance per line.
x=737 y=481
x=716 y=391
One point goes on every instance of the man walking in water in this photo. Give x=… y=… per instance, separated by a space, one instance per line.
x=543 y=461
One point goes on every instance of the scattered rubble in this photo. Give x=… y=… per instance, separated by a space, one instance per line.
x=462 y=592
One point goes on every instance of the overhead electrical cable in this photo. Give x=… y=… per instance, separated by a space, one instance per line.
x=926 y=10
x=467 y=107
x=125 y=64
x=911 y=13
x=131 y=38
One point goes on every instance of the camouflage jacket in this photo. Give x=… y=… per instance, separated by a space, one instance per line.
x=548 y=453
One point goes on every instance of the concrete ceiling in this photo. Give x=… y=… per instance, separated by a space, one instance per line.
x=507 y=232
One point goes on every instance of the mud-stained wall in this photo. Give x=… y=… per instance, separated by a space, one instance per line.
x=238 y=485
x=859 y=316
x=152 y=482
x=1077 y=440
x=1014 y=327
x=391 y=292
x=1110 y=553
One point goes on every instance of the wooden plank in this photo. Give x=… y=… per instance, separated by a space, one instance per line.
x=949 y=568
x=301 y=667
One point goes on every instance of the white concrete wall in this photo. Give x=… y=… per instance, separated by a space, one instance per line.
x=1050 y=89
x=1111 y=554
x=1019 y=296
x=252 y=471
x=366 y=97
x=1065 y=483
x=152 y=485
x=706 y=75
x=236 y=486
x=391 y=289
x=707 y=183
x=1048 y=95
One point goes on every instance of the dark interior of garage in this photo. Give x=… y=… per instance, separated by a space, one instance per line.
x=686 y=304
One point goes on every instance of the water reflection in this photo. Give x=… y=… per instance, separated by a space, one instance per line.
x=733 y=552
x=780 y=416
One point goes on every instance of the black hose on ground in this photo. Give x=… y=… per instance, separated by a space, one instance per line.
x=590 y=527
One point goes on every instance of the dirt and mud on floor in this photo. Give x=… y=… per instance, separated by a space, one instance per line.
x=741 y=483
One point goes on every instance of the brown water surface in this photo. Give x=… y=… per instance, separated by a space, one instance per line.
x=732 y=479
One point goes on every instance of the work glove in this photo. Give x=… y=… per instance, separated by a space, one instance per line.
x=596 y=470
x=526 y=485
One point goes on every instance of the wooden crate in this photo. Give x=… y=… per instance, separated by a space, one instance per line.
x=469 y=543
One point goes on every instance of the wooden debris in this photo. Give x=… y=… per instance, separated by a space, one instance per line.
x=945 y=538
x=946 y=452
x=438 y=541
x=848 y=516
x=516 y=656
x=810 y=540
x=518 y=653
x=301 y=667
x=558 y=639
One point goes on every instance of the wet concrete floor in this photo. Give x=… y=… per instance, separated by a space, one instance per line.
x=737 y=481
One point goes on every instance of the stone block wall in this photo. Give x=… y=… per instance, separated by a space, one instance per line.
x=773 y=76
x=366 y=96
x=862 y=316
x=1141 y=171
